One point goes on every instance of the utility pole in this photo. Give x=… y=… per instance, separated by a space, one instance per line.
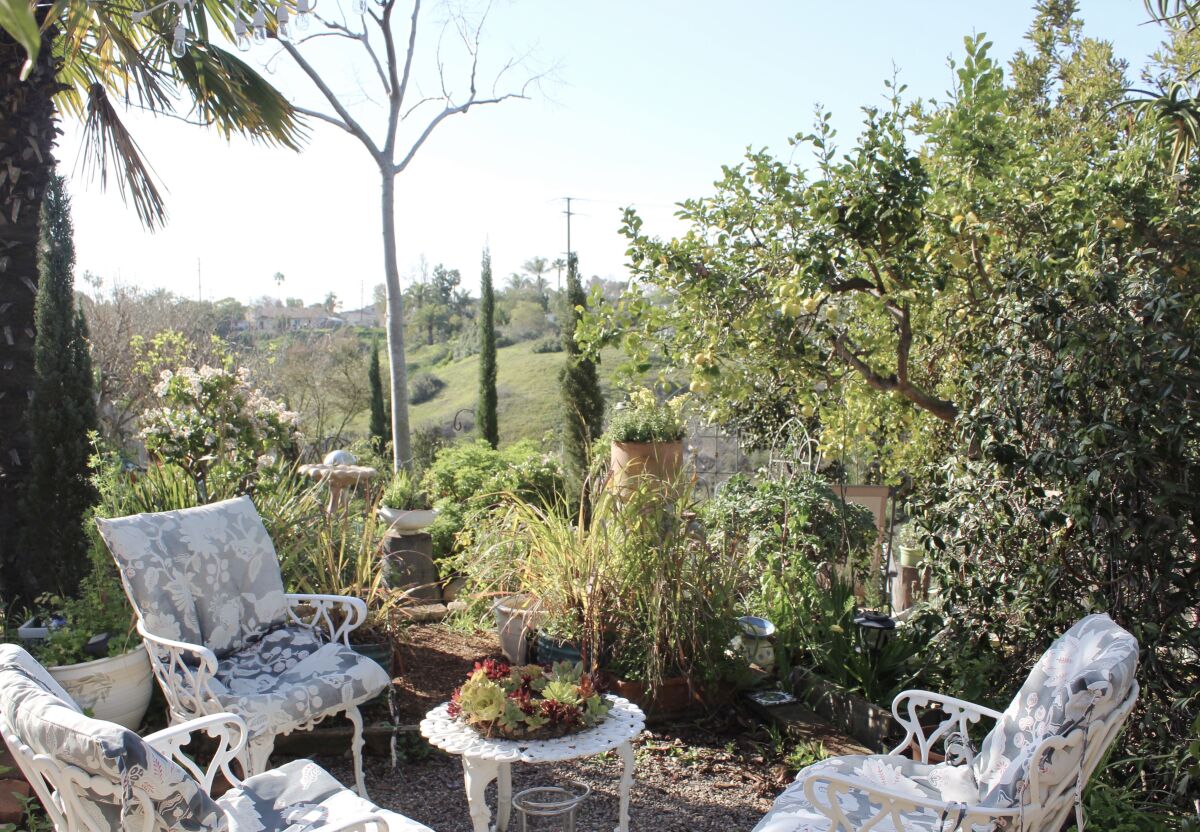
x=569 y=214
x=199 y=283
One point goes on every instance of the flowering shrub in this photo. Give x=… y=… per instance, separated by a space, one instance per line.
x=212 y=416
x=528 y=702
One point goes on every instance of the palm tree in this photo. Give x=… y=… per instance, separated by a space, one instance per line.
x=68 y=58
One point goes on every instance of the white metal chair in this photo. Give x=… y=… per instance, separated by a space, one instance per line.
x=224 y=637
x=95 y=776
x=1028 y=774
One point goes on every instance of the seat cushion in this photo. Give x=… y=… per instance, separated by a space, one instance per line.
x=290 y=678
x=298 y=797
x=792 y=812
x=207 y=575
x=1087 y=673
x=45 y=719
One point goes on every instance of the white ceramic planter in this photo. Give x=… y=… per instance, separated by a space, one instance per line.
x=516 y=624
x=404 y=521
x=116 y=689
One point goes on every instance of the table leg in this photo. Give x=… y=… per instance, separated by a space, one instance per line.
x=477 y=774
x=625 y=749
x=504 y=797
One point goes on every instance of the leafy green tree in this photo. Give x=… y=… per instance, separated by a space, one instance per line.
x=579 y=383
x=62 y=419
x=486 y=415
x=378 y=428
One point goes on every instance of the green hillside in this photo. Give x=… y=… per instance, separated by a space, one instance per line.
x=527 y=387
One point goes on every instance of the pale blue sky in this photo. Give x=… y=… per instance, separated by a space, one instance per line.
x=652 y=98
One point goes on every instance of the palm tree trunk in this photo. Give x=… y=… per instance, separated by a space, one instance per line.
x=401 y=447
x=27 y=135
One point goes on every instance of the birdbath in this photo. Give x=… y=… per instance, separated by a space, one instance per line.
x=340 y=479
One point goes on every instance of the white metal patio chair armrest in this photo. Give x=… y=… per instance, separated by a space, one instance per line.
x=193 y=665
x=370 y=822
x=959 y=714
x=228 y=729
x=319 y=609
x=892 y=804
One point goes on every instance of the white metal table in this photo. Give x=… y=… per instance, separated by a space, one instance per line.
x=486 y=759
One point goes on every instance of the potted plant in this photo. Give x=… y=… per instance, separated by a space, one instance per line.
x=646 y=438
x=96 y=655
x=404 y=505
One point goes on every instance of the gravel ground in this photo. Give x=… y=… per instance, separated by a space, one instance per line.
x=718 y=773
x=689 y=777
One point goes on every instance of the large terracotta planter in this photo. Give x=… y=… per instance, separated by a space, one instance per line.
x=115 y=689
x=673 y=697
x=655 y=460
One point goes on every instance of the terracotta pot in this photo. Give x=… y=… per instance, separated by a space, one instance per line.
x=674 y=695
x=115 y=689
x=657 y=460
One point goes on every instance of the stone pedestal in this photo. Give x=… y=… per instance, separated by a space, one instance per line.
x=408 y=565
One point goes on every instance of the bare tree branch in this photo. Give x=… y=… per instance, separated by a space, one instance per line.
x=350 y=124
x=336 y=122
x=442 y=116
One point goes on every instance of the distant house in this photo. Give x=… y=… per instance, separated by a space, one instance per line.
x=367 y=316
x=290 y=318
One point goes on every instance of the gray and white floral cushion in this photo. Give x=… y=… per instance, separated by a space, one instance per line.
x=298 y=797
x=1086 y=674
x=207 y=575
x=290 y=676
x=44 y=718
x=792 y=812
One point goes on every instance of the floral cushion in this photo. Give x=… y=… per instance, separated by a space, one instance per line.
x=298 y=797
x=792 y=812
x=207 y=575
x=290 y=677
x=46 y=720
x=1094 y=656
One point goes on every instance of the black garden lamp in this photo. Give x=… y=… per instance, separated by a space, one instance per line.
x=875 y=628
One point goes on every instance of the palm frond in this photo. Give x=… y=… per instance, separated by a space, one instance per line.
x=1176 y=112
x=1173 y=11
x=231 y=96
x=108 y=144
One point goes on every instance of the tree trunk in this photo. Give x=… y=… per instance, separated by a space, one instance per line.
x=401 y=449
x=27 y=135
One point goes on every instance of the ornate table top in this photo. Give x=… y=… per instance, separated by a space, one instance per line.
x=624 y=722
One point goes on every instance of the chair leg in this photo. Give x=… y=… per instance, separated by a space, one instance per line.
x=356 y=747
x=256 y=755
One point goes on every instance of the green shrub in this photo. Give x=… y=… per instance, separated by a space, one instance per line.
x=469 y=476
x=548 y=344
x=793 y=536
x=424 y=386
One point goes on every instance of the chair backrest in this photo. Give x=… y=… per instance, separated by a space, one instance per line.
x=207 y=575
x=1086 y=676
x=105 y=776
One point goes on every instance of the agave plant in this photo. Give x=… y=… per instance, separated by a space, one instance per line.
x=76 y=58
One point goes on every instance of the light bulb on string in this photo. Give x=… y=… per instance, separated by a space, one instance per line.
x=359 y=6
x=179 y=44
x=282 y=30
x=303 y=15
x=260 y=26
x=242 y=35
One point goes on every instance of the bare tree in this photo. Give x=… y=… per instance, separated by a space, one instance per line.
x=391 y=55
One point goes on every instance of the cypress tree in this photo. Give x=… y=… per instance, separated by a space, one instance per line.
x=579 y=382
x=487 y=419
x=62 y=415
x=379 y=428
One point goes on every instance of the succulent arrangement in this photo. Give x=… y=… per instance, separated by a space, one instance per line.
x=529 y=701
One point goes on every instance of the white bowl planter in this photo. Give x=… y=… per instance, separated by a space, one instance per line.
x=116 y=689
x=405 y=521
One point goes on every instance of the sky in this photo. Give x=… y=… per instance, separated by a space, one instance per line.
x=643 y=102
